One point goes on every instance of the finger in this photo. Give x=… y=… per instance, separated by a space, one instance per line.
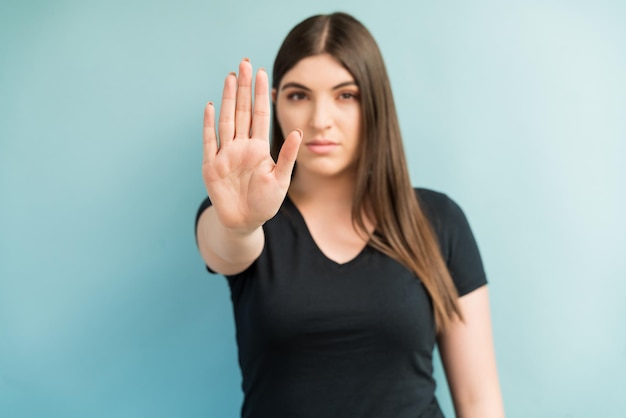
x=287 y=157
x=226 y=124
x=243 y=110
x=208 y=134
x=261 y=114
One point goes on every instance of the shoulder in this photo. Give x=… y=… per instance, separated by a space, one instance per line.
x=431 y=198
x=441 y=210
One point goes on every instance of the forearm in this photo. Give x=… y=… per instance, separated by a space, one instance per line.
x=225 y=250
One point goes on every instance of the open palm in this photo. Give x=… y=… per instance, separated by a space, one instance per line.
x=246 y=187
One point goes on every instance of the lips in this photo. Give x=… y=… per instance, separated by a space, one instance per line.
x=321 y=146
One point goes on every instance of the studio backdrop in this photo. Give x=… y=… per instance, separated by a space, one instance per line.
x=516 y=110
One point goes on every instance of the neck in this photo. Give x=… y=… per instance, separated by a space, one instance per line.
x=331 y=192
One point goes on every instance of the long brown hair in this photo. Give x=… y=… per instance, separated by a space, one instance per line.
x=383 y=189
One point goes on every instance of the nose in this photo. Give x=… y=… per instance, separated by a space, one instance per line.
x=322 y=115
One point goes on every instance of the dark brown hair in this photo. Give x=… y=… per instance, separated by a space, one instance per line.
x=383 y=190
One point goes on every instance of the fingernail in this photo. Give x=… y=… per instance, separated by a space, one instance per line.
x=262 y=69
x=210 y=103
x=247 y=59
x=301 y=133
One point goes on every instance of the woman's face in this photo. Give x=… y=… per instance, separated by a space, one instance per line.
x=320 y=97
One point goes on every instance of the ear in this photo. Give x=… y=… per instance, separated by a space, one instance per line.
x=274 y=96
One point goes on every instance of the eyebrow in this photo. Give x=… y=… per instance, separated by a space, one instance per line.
x=303 y=87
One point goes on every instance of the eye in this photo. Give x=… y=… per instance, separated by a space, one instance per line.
x=349 y=95
x=296 y=96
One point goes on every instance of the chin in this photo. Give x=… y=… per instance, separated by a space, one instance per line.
x=327 y=170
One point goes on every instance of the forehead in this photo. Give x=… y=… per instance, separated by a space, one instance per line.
x=318 y=71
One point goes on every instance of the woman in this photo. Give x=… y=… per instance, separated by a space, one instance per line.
x=343 y=277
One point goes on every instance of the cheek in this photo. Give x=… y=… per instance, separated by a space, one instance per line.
x=283 y=116
x=290 y=119
x=352 y=122
x=283 y=122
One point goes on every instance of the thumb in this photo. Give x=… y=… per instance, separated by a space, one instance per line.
x=287 y=156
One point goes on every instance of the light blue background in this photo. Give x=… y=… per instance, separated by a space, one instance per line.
x=515 y=109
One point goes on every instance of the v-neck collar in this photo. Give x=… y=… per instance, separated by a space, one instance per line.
x=304 y=228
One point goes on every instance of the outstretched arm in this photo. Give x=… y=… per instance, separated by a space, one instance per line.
x=246 y=187
x=469 y=361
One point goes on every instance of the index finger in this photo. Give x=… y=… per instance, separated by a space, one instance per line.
x=261 y=113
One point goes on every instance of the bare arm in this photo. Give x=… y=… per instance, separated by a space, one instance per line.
x=246 y=187
x=225 y=250
x=469 y=361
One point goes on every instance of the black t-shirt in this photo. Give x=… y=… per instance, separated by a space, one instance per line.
x=322 y=339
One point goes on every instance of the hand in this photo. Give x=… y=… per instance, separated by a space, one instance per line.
x=246 y=187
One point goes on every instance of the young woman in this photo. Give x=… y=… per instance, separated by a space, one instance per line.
x=343 y=277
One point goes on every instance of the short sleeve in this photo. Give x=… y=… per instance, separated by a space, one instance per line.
x=206 y=203
x=456 y=239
